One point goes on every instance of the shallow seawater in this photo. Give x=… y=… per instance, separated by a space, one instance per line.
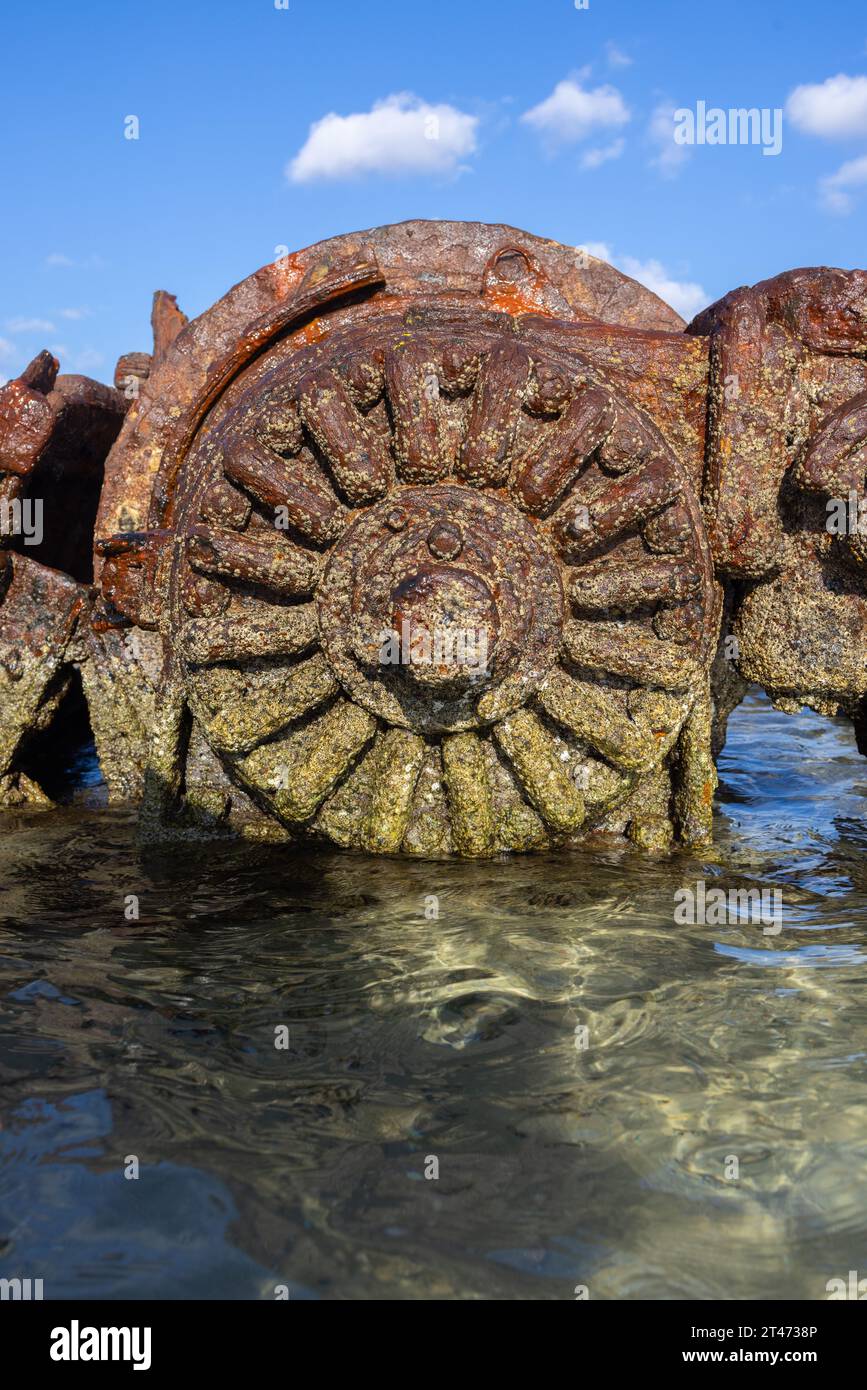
x=457 y=1043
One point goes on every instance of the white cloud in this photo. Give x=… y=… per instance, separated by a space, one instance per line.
x=593 y=158
x=76 y=313
x=600 y=249
x=91 y=262
x=670 y=156
x=8 y=351
x=30 y=326
x=833 y=108
x=852 y=174
x=686 y=296
x=573 y=112
x=400 y=135
x=616 y=57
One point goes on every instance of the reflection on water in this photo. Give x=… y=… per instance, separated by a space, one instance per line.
x=458 y=1039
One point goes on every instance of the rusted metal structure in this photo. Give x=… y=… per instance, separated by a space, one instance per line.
x=442 y=539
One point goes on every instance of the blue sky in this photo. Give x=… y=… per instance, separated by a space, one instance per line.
x=531 y=112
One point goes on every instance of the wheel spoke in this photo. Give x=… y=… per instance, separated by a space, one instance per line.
x=297 y=484
x=357 y=456
x=240 y=708
x=493 y=422
x=301 y=770
x=552 y=466
x=399 y=756
x=422 y=444
x=608 y=509
x=267 y=560
x=469 y=793
x=605 y=585
x=531 y=751
x=279 y=632
x=629 y=652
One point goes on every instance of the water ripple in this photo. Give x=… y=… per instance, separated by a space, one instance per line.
x=550 y=1085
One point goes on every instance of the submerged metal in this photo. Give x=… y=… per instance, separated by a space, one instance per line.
x=445 y=540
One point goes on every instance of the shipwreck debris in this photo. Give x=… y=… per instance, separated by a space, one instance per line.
x=441 y=540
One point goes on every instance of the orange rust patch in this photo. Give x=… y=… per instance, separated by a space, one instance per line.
x=312 y=332
x=510 y=299
x=286 y=273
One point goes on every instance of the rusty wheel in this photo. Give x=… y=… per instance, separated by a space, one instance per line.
x=365 y=511
x=432 y=583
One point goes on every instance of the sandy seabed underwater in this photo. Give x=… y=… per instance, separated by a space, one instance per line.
x=458 y=1040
